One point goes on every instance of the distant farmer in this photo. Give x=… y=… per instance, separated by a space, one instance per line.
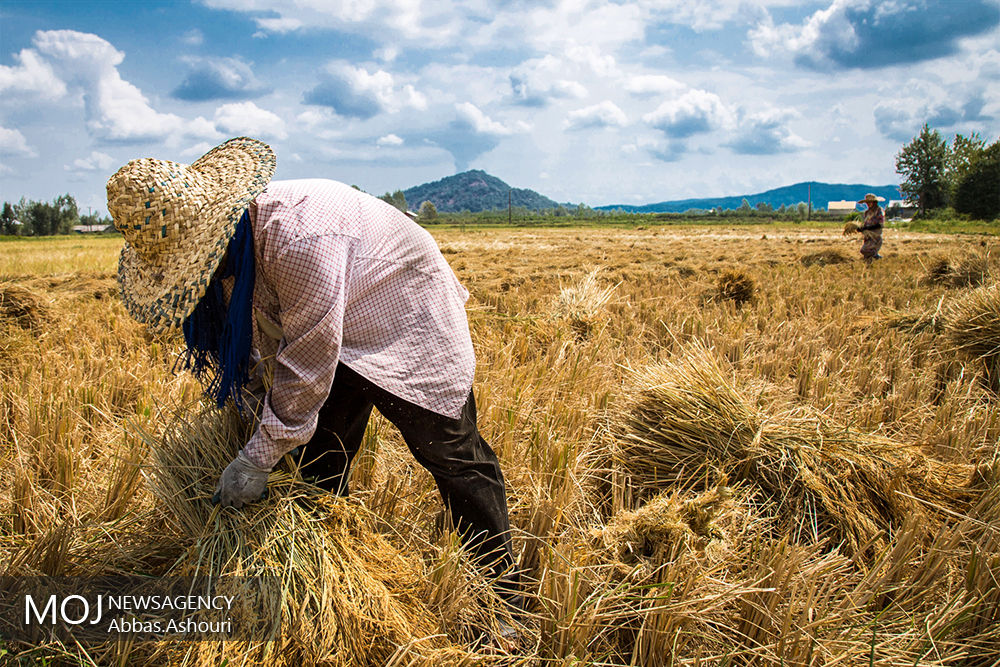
x=347 y=303
x=871 y=228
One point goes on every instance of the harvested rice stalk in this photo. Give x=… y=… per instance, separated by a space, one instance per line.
x=23 y=308
x=851 y=227
x=973 y=323
x=821 y=480
x=654 y=532
x=343 y=593
x=970 y=271
x=824 y=257
x=736 y=286
x=582 y=304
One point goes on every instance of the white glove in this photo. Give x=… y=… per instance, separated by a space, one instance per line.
x=242 y=482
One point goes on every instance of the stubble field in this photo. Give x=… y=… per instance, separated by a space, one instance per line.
x=723 y=446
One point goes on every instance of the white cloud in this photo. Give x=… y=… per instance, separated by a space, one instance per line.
x=649 y=85
x=246 y=118
x=96 y=161
x=193 y=37
x=694 y=112
x=480 y=122
x=278 y=25
x=604 y=114
x=114 y=108
x=218 y=78
x=868 y=34
x=766 y=133
x=535 y=82
x=356 y=92
x=13 y=143
x=389 y=140
x=33 y=76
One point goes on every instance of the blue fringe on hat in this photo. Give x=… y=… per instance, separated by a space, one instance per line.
x=218 y=338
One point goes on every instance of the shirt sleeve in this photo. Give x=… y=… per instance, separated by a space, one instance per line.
x=309 y=280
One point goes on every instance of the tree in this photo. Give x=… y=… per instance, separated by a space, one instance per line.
x=962 y=153
x=397 y=199
x=978 y=190
x=744 y=208
x=7 y=219
x=428 y=212
x=921 y=163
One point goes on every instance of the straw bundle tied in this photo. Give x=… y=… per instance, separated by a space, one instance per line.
x=687 y=421
x=851 y=227
x=22 y=308
x=344 y=594
x=973 y=323
x=968 y=272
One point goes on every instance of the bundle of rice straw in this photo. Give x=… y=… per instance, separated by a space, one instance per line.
x=824 y=257
x=342 y=593
x=22 y=307
x=968 y=272
x=972 y=326
x=687 y=421
x=736 y=286
x=851 y=227
x=669 y=522
x=583 y=303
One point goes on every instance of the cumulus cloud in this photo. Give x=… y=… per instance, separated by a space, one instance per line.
x=694 y=112
x=357 y=93
x=33 y=76
x=470 y=134
x=218 y=79
x=604 y=114
x=537 y=81
x=652 y=85
x=96 y=161
x=389 y=140
x=246 y=118
x=766 y=133
x=873 y=33
x=114 y=109
x=13 y=143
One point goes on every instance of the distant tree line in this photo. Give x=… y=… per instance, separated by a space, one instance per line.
x=39 y=218
x=963 y=176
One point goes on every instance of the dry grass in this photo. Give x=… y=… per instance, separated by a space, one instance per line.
x=793 y=482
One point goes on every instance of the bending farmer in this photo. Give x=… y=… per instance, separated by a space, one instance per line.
x=349 y=301
x=872 y=220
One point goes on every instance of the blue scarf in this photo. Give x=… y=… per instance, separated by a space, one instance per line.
x=219 y=338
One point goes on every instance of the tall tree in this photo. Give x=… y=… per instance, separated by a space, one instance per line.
x=961 y=154
x=978 y=190
x=921 y=163
x=7 y=218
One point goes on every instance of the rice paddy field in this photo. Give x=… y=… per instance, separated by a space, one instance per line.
x=723 y=446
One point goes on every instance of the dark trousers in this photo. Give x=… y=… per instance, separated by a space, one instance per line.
x=463 y=465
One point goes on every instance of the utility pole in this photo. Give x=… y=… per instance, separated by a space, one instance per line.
x=809 y=196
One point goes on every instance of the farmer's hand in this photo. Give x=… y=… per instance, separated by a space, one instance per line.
x=242 y=482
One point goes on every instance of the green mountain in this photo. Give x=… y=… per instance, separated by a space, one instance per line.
x=789 y=195
x=474 y=191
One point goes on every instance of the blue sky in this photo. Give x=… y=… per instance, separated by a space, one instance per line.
x=595 y=102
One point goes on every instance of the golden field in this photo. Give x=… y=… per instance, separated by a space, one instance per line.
x=723 y=446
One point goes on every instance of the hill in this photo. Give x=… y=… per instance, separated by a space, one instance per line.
x=789 y=195
x=474 y=191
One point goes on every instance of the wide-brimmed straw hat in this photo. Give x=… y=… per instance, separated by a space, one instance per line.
x=177 y=220
x=870 y=197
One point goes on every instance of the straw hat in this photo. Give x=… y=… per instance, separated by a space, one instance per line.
x=870 y=197
x=177 y=221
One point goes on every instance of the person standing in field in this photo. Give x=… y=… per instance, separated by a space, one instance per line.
x=337 y=300
x=872 y=221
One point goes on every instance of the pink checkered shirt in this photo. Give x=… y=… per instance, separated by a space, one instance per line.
x=343 y=276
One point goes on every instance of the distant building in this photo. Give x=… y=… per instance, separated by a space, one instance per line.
x=842 y=207
x=91 y=229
